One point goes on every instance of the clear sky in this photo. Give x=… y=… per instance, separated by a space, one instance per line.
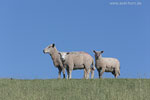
x=28 y=26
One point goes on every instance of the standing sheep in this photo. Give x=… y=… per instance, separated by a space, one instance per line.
x=51 y=49
x=78 y=60
x=106 y=64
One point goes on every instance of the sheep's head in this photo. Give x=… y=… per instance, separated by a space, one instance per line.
x=50 y=49
x=98 y=54
x=63 y=55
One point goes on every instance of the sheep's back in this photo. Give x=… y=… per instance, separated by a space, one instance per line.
x=108 y=62
x=79 y=58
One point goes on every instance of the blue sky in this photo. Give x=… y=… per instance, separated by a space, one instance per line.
x=27 y=27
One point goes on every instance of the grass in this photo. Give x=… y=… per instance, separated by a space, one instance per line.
x=75 y=89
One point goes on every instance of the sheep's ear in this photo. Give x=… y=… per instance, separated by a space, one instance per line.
x=53 y=45
x=94 y=51
x=67 y=53
x=102 y=51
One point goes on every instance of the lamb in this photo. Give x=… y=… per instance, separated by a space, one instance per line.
x=106 y=64
x=51 y=49
x=78 y=60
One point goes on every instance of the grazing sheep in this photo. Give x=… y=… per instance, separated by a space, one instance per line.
x=51 y=49
x=106 y=64
x=78 y=60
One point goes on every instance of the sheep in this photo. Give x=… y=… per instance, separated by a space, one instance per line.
x=106 y=64
x=51 y=49
x=78 y=60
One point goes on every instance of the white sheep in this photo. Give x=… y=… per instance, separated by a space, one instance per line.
x=106 y=64
x=54 y=53
x=78 y=60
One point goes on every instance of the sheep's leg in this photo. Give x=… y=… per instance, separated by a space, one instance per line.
x=116 y=73
x=70 y=72
x=92 y=73
x=101 y=73
x=64 y=73
x=59 y=73
x=98 y=72
x=87 y=72
x=62 y=69
x=113 y=72
x=67 y=73
x=84 y=74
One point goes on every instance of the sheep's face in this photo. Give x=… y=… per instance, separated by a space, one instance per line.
x=50 y=49
x=63 y=55
x=97 y=54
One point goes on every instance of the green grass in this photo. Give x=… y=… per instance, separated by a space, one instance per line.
x=75 y=89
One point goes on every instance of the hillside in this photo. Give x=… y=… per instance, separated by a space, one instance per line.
x=75 y=89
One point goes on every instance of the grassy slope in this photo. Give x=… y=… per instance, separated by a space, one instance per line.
x=75 y=89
